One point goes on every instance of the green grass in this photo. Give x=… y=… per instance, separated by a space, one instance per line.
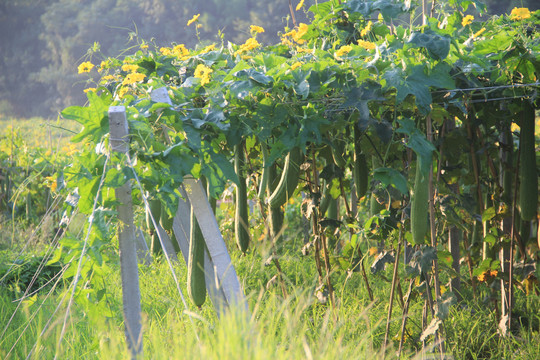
x=40 y=132
x=278 y=327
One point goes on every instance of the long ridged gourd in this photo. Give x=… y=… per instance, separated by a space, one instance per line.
x=419 y=205
x=360 y=172
x=263 y=183
x=196 y=283
x=155 y=210
x=528 y=191
x=288 y=181
x=325 y=199
x=338 y=151
x=375 y=207
x=241 y=218
x=166 y=223
x=275 y=214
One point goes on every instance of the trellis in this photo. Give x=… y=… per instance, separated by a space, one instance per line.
x=221 y=280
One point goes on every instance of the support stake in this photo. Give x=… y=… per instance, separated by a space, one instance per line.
x=131 y=296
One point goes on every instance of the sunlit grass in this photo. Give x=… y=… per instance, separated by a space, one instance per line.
x=40 y=132
x=295 y=326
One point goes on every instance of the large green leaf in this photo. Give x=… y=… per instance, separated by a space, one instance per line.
x=438 y=46
x=390 y=9
x=392 y=177
x=417 y=82
x=417 y=141
x=94 y=117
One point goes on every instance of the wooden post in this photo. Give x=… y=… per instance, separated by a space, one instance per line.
x=221 y=280
x=131 y=296
x=226 y=277
x=181 y=228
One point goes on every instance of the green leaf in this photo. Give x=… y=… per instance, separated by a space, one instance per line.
x=422 y=261
x=358 y=97
x=88 y=192
x=115 y=178
x=444 y=304
x=241 y=89
x=390 y=9
x=94 y=118
x=489 y=214
x=301 y=86
x=254 y=75
x=438 y=46
x=417 y=142
x=380 y=262
x=417 y=82
x=392 y=177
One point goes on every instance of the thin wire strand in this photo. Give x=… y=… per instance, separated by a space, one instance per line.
x=38 y=228
x=495 y=87
x=83 y=252
x=34 y=314
x=59 y=304
x=38 y=271
x=147 y=206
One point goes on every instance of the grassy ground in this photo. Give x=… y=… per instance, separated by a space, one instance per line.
x=45 y=133
x=294 y=326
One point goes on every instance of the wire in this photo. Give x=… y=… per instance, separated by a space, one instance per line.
x=147 y=206
x=83 y=252
x=496 y=87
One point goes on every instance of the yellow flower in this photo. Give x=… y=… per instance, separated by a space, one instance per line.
x=367 y=29
x=373 y=251
x=478 y=33
x=304 y=50
x=467 y=20
x=122 y=92
x=300 y=4
x=203 y=72
x=109 y=78
x=165 y=51
x=296 y=35
x=130 y=68
x=180 y=50
x=493 y=273
x=285 y=41
x=250 y=44
x=92 y=89
x=208 y=48
x=520 y=14
x=254 y=29
x=70 y=149
x=380 y=18
x=144 y=46
x=296 y=65
x=51 y=183
x=193 y=19
x=367 y=44
x=302 y=30
x=104 y=65
x=344 y=50
x=85 y=67
x=132 y=78
x=482 y=277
